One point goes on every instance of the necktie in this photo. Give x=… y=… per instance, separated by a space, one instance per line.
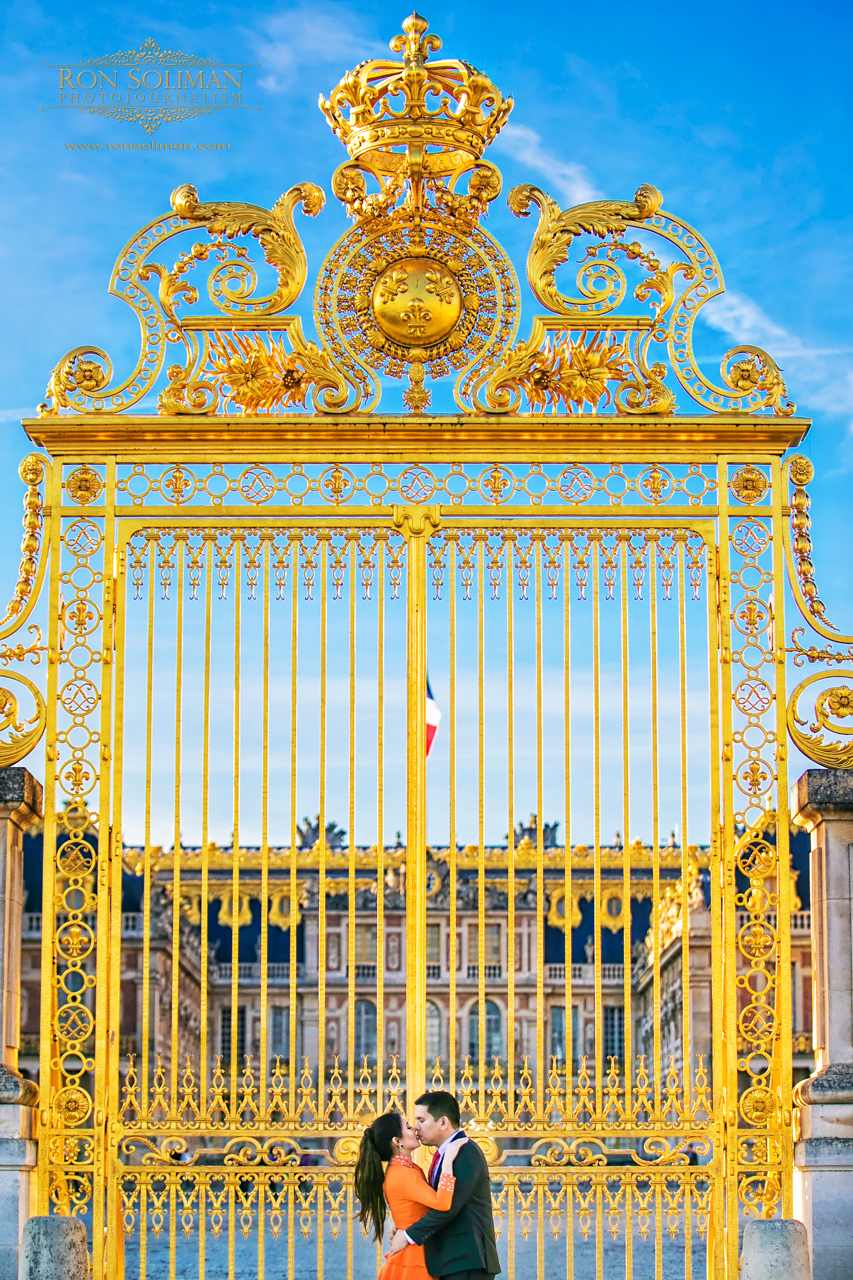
x=435 y=1160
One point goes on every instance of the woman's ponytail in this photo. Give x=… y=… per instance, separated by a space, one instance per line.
x=375 y=1146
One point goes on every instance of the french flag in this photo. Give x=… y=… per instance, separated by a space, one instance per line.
x=433 y=719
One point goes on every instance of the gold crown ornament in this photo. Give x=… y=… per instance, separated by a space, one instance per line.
x=416 y=287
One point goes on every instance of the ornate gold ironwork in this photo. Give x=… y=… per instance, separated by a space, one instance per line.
x=417 y=289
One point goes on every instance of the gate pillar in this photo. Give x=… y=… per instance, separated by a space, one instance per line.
x=822 y=801
x=20 y=807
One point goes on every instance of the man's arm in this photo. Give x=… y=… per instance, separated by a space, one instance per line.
x=467 y=1177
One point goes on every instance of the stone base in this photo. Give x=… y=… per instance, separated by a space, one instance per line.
x=823 y=1196
x=54 y=1248
x=775 y=1249
x=17 y=1182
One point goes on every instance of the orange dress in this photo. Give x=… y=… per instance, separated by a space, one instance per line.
x=409 y=1196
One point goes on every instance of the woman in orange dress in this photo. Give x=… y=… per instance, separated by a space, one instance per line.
x=402 y=1187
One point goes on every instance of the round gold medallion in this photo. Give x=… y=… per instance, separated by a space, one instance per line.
x=416 y=302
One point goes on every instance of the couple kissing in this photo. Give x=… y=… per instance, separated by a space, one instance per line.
x=443 y=1222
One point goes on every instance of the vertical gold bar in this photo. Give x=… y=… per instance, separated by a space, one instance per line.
x=783 y=1049
x=727 y=1103
x=235 y=852
x=380 y=824
x=540 y=853
x=202 y=1227
x=599 y=1219
x=292 y=1059
x=629 y=1229
x=47 y=1073
x=568 y=1035
x=265 y=860
x=686 y=1057
x=628 y=1064
x=715 y=585
x=481 y=843
x=205 y=824
x=176 y=837
x=144 y=1081
x=653 y=662
x=658 y=1226
x=114 y=1261
x=321 y=904
x=416 y=521
x=351 y=924
x=510 y=899
x=596 y=787
x=452 y=957
x=103 y=967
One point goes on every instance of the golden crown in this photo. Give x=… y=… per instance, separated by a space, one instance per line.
x=448 y=104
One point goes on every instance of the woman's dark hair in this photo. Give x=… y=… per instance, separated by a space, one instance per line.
x=369 y=1174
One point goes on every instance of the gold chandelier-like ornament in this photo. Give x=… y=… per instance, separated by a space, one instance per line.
x=417 y=289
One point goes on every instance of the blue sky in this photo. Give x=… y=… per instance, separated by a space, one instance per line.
x=740 y=114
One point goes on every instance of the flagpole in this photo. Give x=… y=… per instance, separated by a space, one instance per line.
x=416 y=524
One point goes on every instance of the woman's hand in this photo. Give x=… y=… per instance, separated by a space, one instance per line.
x=452 y=1152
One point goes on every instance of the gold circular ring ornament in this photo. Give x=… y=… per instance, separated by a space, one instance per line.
x=416 y=299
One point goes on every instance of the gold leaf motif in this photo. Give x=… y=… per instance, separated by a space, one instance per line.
x=21 y=738
x=834 y=703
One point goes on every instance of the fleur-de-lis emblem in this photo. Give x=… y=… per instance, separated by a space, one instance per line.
x=391 y=285
x=417 y=318
x=440 y=285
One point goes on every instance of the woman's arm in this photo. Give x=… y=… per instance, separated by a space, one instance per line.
x=421 y=1192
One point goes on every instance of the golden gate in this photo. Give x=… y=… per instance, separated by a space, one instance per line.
x=244 y=590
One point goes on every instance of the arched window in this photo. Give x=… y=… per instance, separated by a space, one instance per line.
x=494 y=1039
x=433 y=1033
x=365 y=1030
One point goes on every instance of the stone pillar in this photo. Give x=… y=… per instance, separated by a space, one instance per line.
x=822 y=801
x=20 y=806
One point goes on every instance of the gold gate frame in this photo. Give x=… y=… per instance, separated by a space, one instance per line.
x=238 y=404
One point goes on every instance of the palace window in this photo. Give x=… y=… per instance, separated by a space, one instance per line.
x=279 y=1031
x=225 y=1034
x=494 y=1038
x=365 y=944
x=614 y=1033
x=365 y=1030
x=433 y=1033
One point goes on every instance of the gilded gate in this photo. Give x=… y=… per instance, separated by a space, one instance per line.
x=249 y=594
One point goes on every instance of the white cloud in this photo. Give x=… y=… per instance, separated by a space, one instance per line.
x=818 y=376
x=565 y=177
x=15 y=415
x=302 y=39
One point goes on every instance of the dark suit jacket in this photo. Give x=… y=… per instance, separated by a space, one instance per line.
x=462 y=1238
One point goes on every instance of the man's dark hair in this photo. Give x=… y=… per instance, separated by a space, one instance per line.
x=439 y=1103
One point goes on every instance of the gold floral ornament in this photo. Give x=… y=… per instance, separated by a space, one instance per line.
x=23 y=734
x=265 y=378
x=831 y=705
x=749 y=484
x=568 y=373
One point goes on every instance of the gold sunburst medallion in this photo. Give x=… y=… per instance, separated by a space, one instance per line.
x=402 y=297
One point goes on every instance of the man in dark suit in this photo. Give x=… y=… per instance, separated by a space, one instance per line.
x=459 y=1243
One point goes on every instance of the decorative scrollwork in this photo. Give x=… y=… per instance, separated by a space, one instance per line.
x=276 y=234
x=23 y=733
x=833 y=704
x=559 y=227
